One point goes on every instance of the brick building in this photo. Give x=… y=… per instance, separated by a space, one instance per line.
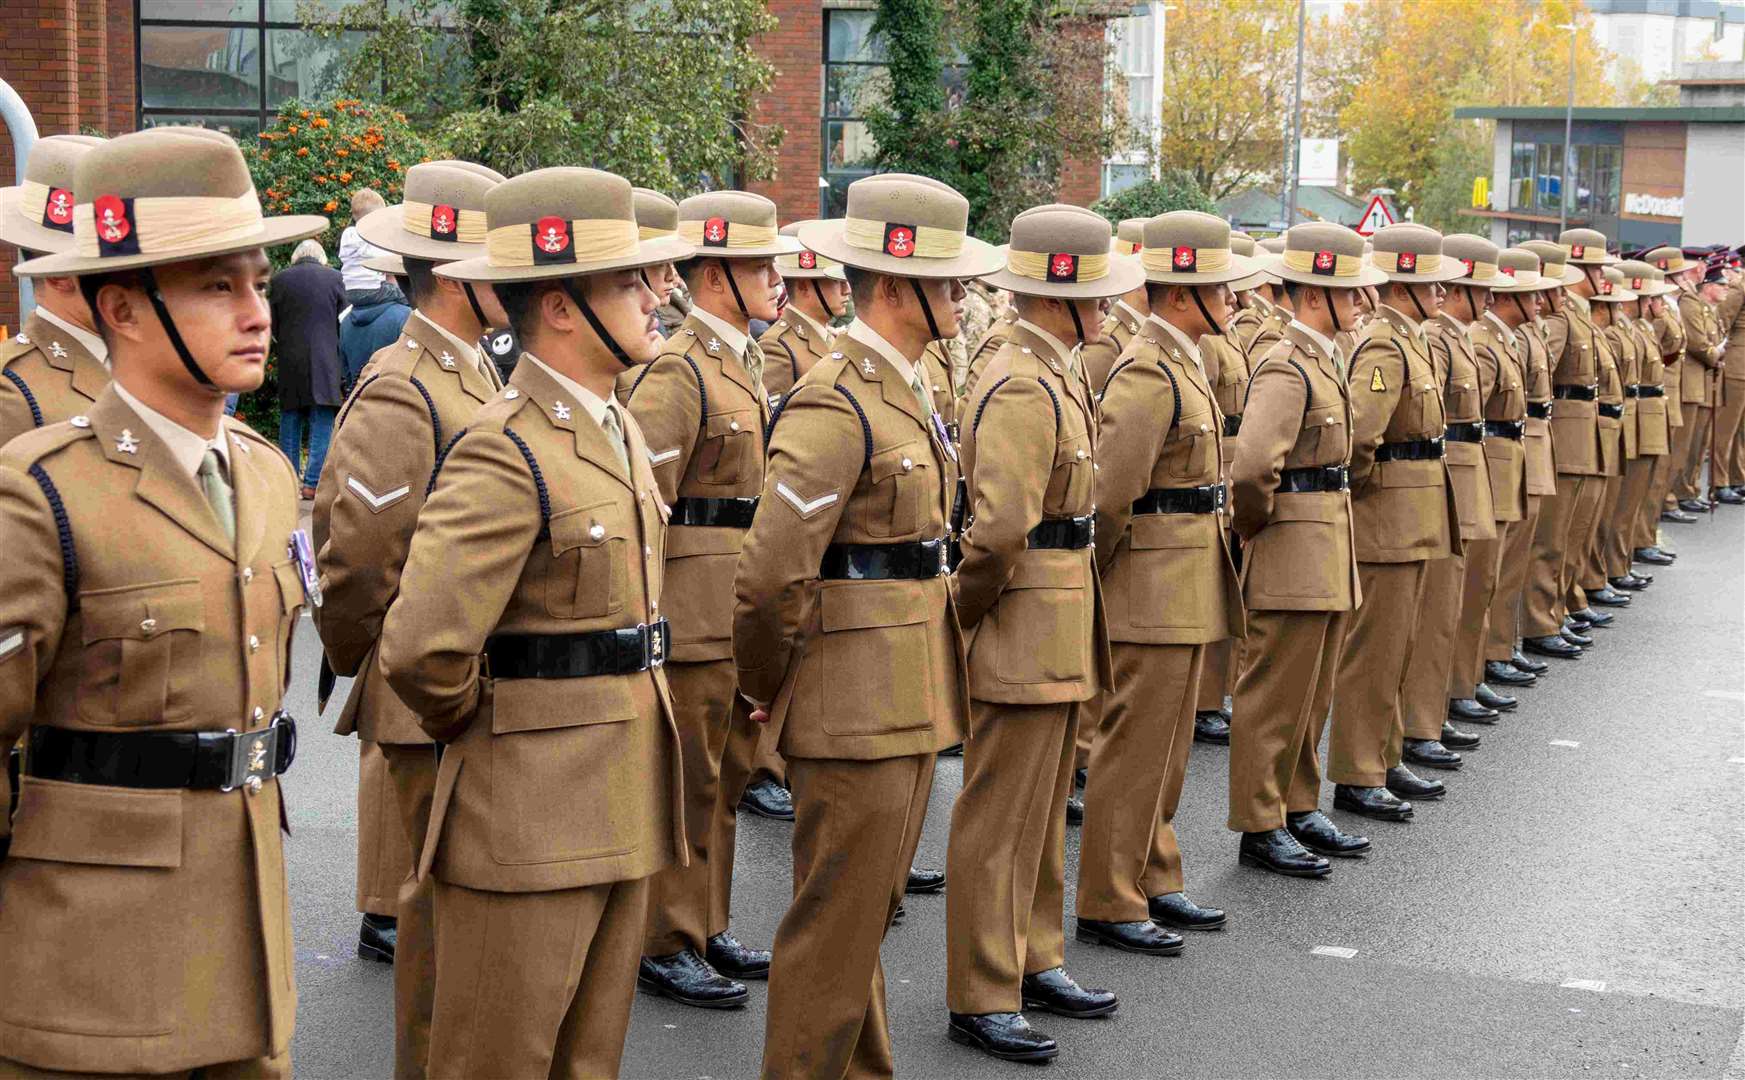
x=109 y=66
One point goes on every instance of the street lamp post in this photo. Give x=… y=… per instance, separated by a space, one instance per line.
x=1568 y=132
x=1294 y=154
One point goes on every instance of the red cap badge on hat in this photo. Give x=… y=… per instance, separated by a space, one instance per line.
x=1605 y=288
x=111 y=214
x=551 y=241
x=1575 y=250
x=1506 y=271
x=1063 y=268
x=1186 y=259
x=57 y=212
x=1408 y=262
x=715 y=232
x=1660 y=264
x=1635 y=283
x=808 y=260
x=1324 y=263
x=899 y=241
x=442 y=223
x=1468 y=264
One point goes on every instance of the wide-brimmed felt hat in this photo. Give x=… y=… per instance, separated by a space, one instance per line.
x=1554 y=261
x=1129 y=236
x=1477 y=255
x=562 y=222
x=1644 y=280
x=1612 y=287
x=1670 y=260
x=1063 y=251
x=1243 y=244
x=1326 y=255
x=36 y=214
x=1272 y=245
x=1187 y=247
x=906 y=226
x=657 y=215
x=441 y=217
x=1519 y=271
x=807 y=263
x=389 y=263
x=733 y=225
x=1587 y=247
x=1412 y=254
x=164 y=195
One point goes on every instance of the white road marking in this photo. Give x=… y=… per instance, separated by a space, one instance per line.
x=1339 y=952
x=1726 y=695
x=1565 y=742
x=1596 y=985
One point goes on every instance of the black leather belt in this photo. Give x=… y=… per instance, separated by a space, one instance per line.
x=1064 y=533
x=1466 y=431
x=1615 y=412
x=579 y=656
x=1232 y=425
x=1539 y=410
x=1194 y=500
x=714 y=513
x=1318 y=478
x=1506 y=429
x=1414 y=450
x=918 y=559
x=1633 y=390
x=1576 y=393
x=1646 y=390
x=202 y=760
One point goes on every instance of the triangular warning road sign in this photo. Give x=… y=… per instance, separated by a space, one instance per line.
x=1375 y=215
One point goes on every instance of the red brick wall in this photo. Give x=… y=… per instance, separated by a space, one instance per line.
x=72 y=62
x=795 y=101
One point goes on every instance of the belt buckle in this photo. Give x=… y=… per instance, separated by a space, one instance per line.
x=253 y=755
x=944 y=556
x=654 y=644
x=1219 y=495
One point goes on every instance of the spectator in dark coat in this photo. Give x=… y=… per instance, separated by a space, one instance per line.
x=307 y=298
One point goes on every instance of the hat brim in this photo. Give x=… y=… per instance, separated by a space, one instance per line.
x=978 y=258
x=274 y=231
x=1368 y=276
x=792 y=273
x=1544 y=284
x=390 y=235
x=1605 y=260
x=17 y=230
x=662 y=249
x=784 y=245
x=1453 y=271
x=390 y=263
x=1241 y=266
x=1616 y=296
x=1123 y=277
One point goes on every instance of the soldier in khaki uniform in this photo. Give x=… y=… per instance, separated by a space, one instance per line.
x=1292 y=507
x=702 y=405
x=417 y=395
x=794 y=343
x=1670 y=327
x=1029 y=600
x=528 y=638
x=984 y=347
x=1587 y=581
x=153 y=577
x=1644 y=433
x=1653 y=427
x=657 y=217
x=1730 y=415
x=1259 y=323
x=1127 y=313
x=1164 y=549
x=845 y=629
x=1404 y=518
x=1705 y=344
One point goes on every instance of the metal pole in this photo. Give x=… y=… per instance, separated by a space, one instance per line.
x=1295 y=151
x=19 y=122
x=1568 y=149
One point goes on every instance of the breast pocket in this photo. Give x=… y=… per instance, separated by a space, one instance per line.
x=1324 y=430
x=1069 y=484
x=587 y=578
x=1463 y=398
x=141 y=653
x=1194 y=434
x=1427 y=414
x=730 y=447
x=902 y=483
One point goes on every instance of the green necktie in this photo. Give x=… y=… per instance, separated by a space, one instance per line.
x=922 y=394
x=614 y=429
x=754 y=362
x=218 y=493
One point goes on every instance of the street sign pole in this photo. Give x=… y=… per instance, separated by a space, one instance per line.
x=1294 y=169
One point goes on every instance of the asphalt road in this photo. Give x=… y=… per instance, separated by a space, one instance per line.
x=1574 y=908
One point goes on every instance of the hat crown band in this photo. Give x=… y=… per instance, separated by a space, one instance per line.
x=721 y=232
x=1058 y=267
x=444 y=221
x=111 y=226
x=551 y=239
x=1167 y=258
x=902 y=240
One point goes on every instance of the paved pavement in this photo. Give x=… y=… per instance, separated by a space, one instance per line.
x=1574 y=908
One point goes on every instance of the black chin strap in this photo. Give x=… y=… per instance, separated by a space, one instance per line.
x=818 y=291
x=727 y=268
x=1472 y=303
x=926 y=309
x=175 y=336
x=1078 y=325
x=572 y=286
x=1331 y=310
x=1194 y=291
x=1423 y=316
x=1525 y=318
x=478 y=311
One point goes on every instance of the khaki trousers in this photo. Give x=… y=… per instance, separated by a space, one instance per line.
x=1127 y=848
x=262 y=1068
x=681 y=899
x=1217 y=676
x=1542 y=603
x=1583 y=539
x=1006 y=860
x=1503 y=627
x=856 y=825
x=1477 y=592
x=1730 y=469
x=384 y=855
x=1621 y=524
x=1424 y=705
x=1659 y=492
x=766 y=761
x=1089 y=721
x=1372 y=672
x=1736 y=451
x=1689 y=444
x=412 y=769
x=535 y=985
x=1289 y=666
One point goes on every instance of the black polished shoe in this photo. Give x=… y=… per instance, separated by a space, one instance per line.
x=1602 y=618
x=1371 y=802
x=766 y=798
x=1075 y=810
x=1628 y=583
x=1007 y=1036
x=1608 y=597
x=1490 y=699
x=1504 y=673
x=1176 y=910
x=1455 y=739
x=1212 y=727
x=1730 y=496
x=1678 y=516
x=1055 y=991
x=1315 y=831
x=924 y=881
x=1430 y=753
x=377 y=937
x=1080 y=777
x=954 y=750
x=1694 y=506
x=727 y=956
x=1471 y=711
x=1409 y=785
x=1554 y=645
x=1528 y=664
x=1143 y=936
x=1578 y=622
x=1576 y=637
x=1653 y=556
x=688 y=979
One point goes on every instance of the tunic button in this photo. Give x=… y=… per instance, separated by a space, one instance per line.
x=907 y=464
x=1083 y=455
x=1329 y=419
x=596 y=532
x=248 y=573
x=648 y=551
x=733 y=425
x=253 y=784
x=1205 y=428
x=148 y=625
x=254 y=643
x=258 y=714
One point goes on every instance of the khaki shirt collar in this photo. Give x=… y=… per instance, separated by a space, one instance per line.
x=732 y=337
x=810 y=325
x=470 y=352
x=1181 y=339
x=92 y=343
x=1320 y=340
x=1061 y=352
x=1129 y=314
x=593 y=404
x=188 y=448
x=875 y=341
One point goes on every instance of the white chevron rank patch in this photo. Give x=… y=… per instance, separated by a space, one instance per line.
x=657 y=460
x=376 y=503
x=803 y=506
x=11 y=642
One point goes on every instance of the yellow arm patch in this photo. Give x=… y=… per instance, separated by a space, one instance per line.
x=1375 y=383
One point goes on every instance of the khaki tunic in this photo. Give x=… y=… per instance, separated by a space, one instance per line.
x=936 y=373
x=1705 y=344
x=1571 y=341
x=1541 y=456
x=1098 y=359
x=985 y=348
x=791 y=346
x=1672 y=340
x=1465 y=389
x=1257 y=326
x=1503 y=371
x=1624 y=348
x=1611 y=428
x=144 y=930
x=1653 y=434
x=46 y=377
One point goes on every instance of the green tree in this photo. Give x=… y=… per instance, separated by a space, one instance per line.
x=1176 y=189
x=911 y=126
x=659 y=91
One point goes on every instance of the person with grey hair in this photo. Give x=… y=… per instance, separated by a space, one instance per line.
x=307 y=298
